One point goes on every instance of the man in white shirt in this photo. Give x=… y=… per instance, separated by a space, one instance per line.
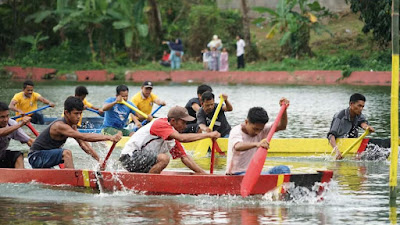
x=246 y=138
x=240 y=44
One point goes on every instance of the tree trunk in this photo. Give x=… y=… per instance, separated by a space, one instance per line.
x=246 y=22
x=155 y=23
x=90 y=37
x=252 y=53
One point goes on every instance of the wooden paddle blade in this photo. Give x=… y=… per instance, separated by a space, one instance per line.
x=253 y=172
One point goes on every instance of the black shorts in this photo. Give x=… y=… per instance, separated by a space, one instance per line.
x=9 y=159
x=139 y=162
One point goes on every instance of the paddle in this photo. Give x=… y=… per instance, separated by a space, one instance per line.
x=257 y=162
x=152 y=114
x=133 y=108
x=103 y=165
x=214 y=144
x=356 y=142
x=36 y=110
x=93 y=110
x=36 y=133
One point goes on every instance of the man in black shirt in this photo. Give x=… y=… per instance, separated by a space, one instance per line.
x=206 y=112
x=193 y=107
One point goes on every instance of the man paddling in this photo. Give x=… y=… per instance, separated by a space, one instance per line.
x=47 y=151
x=345 y=123
x=116 y=115
x=145 y=100
x=206 y=112
x=10 y=129
x=147 y=150
x=26 y=101
x=193 y=106
x=81 y=92
x=246 y=138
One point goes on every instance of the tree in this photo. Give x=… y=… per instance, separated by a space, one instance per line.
x=129 y=18
x=376 y=17
x=294 y=26
x=252 y=50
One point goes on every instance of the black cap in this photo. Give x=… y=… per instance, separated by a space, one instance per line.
x=147 y=84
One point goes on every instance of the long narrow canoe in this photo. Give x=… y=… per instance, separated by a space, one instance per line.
x=89 y=124
x=171 y=183
x=286 y=147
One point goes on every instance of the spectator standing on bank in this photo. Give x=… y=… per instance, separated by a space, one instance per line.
x=216 y=43
x=240 y=44
x=224 y=63
x=176 y=53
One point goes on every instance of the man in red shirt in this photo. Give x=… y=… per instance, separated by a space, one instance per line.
x=147 y=149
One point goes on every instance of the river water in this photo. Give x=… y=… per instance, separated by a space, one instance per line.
x=358 y=193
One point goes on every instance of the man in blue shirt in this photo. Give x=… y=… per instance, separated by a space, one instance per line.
x=116 y=115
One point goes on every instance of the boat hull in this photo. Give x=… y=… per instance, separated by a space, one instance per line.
x=171 y=183
x=286 y=147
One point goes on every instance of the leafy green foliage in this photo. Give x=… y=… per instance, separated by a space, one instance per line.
x=294 y=26
x=376 y=16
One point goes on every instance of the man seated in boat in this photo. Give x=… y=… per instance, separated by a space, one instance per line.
x=47 y=151
x=116 y=115
x=345 y=123
x=81 y=92
x=193 y=106
x=246 y=138
x=147 y=149
x=10 y=129
x=26 y=101
x=206 y=112
x=145 y=100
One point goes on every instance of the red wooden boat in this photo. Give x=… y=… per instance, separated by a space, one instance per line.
x=166 y=183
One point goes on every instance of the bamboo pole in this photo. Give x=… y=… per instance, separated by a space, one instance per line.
x=394 y=116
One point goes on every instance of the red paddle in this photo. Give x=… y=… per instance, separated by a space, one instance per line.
x=103 y=165
x=258 y=160
x=36 y=133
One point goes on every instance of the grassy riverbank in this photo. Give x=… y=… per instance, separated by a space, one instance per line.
x=347 y=50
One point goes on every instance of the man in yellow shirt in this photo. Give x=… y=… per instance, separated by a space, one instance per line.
x=81 y=92
x=145 y=99
x=26 y=101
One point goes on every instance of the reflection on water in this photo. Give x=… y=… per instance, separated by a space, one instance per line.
x=358 y=194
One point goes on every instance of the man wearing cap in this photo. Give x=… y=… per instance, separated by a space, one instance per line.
x=145 y=99
x=147 y=150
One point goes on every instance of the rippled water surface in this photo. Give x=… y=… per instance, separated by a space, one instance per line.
x=357 y=195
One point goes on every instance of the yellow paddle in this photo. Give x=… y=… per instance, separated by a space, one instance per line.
x=356 y=142
x=214 y=143
x=133 y=108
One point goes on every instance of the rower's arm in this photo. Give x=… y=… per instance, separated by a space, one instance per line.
x=66 y=130
x=88 y=149
x=13 y=108
x=189 y=137
x=283 y=123
x=108 y=106
x=365 y=126
x=244 y=146
x=195 y=107
x=188 y=161
x=45 y=101
x=160 y=102
x=228 y=106
x=4 y=131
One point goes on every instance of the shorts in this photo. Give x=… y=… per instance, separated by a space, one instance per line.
x=114 y=131
x=9 y=159
x=281 y=169
x=140 y=161
x=45 y=158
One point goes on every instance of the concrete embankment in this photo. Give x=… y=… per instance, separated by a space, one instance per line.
x=304 y=77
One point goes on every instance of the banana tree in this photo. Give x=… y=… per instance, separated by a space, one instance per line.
x=128 y=16
x=294 y=25
x=34 y=40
